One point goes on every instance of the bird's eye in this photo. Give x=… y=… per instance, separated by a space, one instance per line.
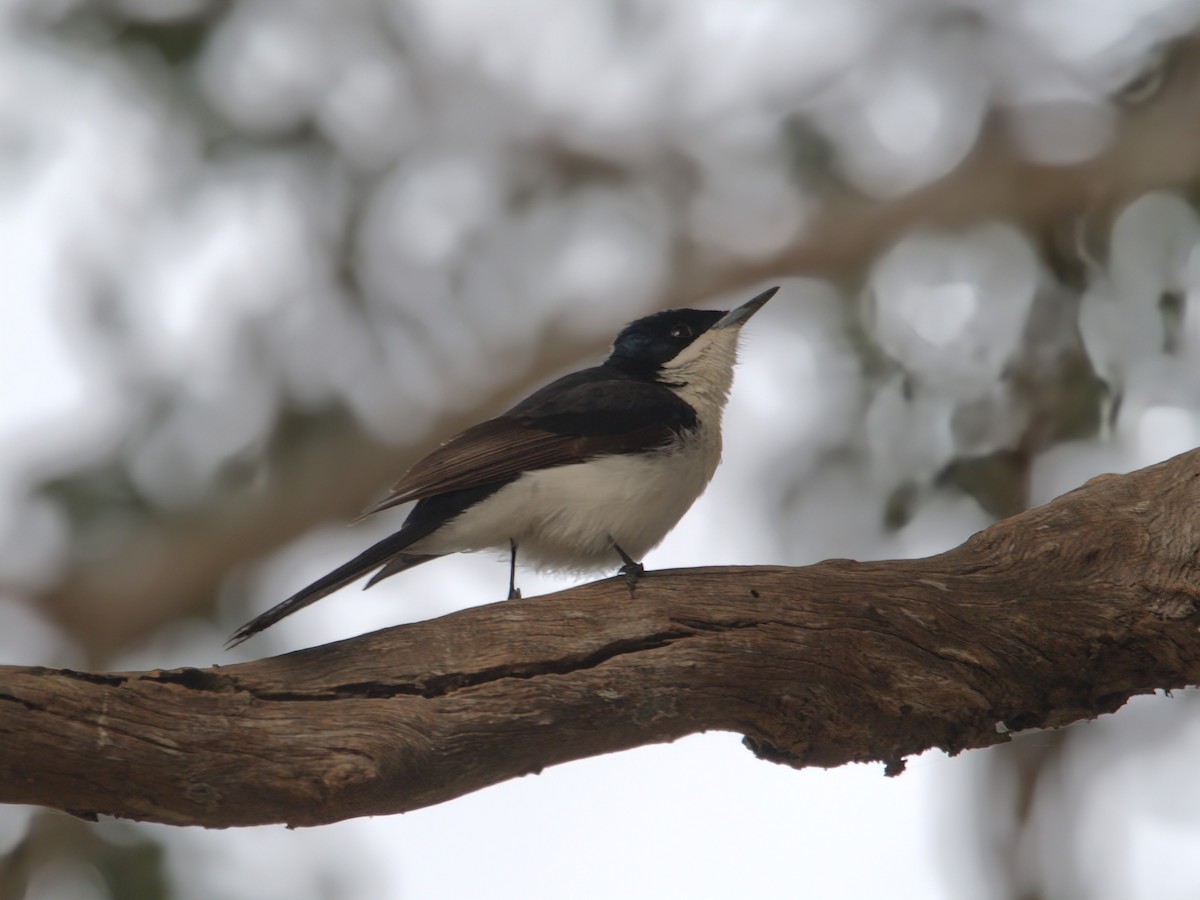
x=681 y=331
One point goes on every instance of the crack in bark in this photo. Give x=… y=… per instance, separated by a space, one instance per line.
x=104 y=678
x=442 y=685
x=28 y=704
x=710 y=627
x=432 y=687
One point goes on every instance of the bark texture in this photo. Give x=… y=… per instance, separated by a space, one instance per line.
x=1058 y=614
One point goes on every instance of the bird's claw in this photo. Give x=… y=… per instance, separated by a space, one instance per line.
x=632 y=572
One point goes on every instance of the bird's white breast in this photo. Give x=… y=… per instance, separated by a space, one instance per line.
x=568 y=517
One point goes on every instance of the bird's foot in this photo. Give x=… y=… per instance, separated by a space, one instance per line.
x=632 y=570
x=514 y=593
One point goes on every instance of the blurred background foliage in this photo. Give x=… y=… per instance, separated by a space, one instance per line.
x=260 y=255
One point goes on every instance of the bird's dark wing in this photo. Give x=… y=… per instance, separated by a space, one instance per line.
x=593 y=413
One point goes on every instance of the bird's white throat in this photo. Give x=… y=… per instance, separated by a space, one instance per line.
x=702 y=374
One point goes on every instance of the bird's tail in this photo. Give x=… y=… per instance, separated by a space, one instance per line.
x=387 y=553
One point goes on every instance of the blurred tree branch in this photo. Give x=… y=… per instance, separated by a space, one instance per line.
x=169 y=567
x=1059 y=614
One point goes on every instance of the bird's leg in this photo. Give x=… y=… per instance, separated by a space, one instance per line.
x=514 y=592
x=631 y=570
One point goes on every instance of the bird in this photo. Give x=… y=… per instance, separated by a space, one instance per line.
x=594 y=468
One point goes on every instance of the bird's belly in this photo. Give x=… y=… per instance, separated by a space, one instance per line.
x=568 y=517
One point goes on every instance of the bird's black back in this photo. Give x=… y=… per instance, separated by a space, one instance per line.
x=603 y=400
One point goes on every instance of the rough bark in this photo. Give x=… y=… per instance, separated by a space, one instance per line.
x=1058 y=614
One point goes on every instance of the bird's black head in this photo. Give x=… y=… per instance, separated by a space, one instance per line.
x=643 y=346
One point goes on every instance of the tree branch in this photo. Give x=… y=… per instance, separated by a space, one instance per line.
x=1058 y=614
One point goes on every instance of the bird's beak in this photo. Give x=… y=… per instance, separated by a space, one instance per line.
x=736 y=318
